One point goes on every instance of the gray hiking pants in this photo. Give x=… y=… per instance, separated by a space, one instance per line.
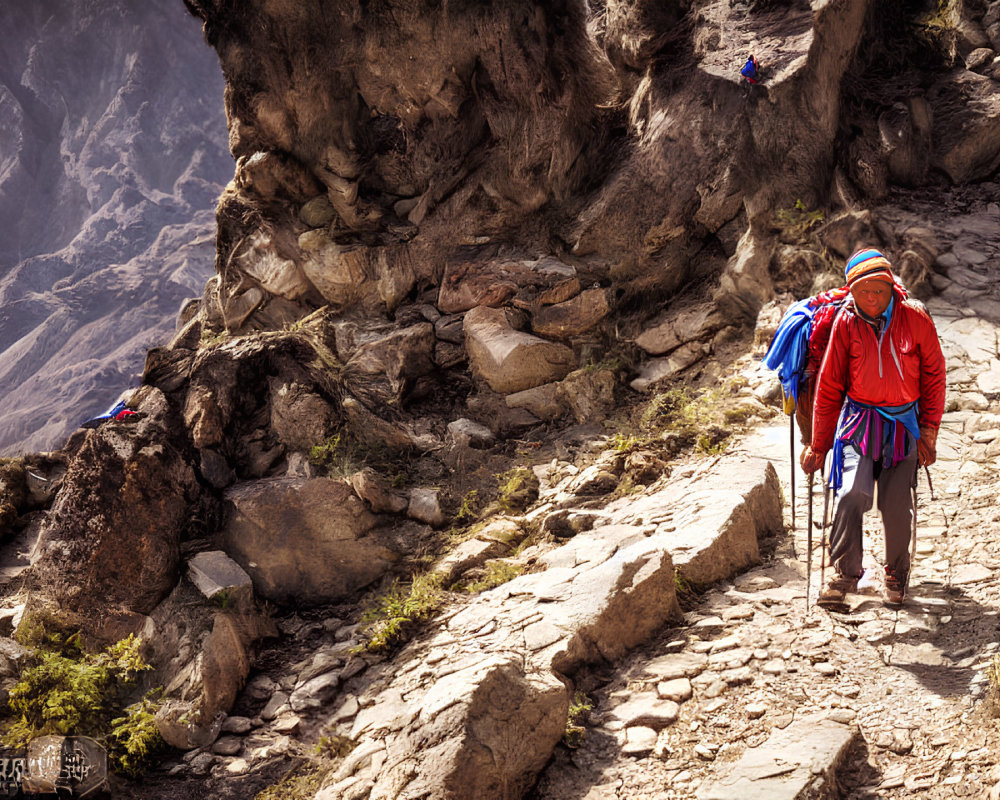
x=895 y=503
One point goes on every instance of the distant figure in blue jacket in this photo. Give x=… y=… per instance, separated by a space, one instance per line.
x=751 y=70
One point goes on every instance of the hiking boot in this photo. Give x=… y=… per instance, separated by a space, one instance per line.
x=895 y=590
x=836 y=591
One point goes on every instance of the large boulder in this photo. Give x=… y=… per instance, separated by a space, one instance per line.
x=467 y=285
x=660 y=371
x=966 y=109
x=202 y=416
x=545 y=401
x=202 y=654
x=492 y=282
x=386 y=367
x=906 y=133
x=112 y=538
x=261 y=259
x=847 y=232
x=300 y=418
x=572 y=317
x=510 y=360
x=302 y=540
x=746 y=283
x=588 y=393
x=680 y=325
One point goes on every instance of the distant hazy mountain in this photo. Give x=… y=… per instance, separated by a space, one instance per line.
x=113 y=151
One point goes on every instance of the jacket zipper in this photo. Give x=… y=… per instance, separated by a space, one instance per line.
x=892 y=349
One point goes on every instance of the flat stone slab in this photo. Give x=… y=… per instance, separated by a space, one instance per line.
x=971 y=573
x=676 y=665
x=798 y=761
x=712 y=519
x=213 y=572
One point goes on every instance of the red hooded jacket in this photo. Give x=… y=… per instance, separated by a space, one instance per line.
x=906 y=365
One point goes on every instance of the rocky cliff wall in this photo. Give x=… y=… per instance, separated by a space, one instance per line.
x=476 y=154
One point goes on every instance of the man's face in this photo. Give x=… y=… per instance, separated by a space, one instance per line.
x=872 y=296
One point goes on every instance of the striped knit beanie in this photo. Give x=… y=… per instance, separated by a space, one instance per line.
x=866 y=264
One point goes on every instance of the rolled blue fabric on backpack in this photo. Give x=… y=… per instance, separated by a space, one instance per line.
x=789 y=348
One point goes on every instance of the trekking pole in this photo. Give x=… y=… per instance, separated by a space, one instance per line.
x=791 y=459
x=809 y=541
x=930 y=485
x=826 y=509
x=913 y=535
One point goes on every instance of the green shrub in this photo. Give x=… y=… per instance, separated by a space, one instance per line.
x=344 y=453
x=713 y=441
x=43 y=629
x=469 y=509
x=683 y=420
x=211 y=337
x=67 y=692
x=610 y=363
x=300 y=783
x=623 y=443
x=517 y=489
x=334 y=746
x=682 y=586
x=393 y=616
x=739 y=414
x=578 y=709
x=626 y=486
x=135 y=741
x=796 y=222
x=495 y=574
x=666 y=408
x=324 y=454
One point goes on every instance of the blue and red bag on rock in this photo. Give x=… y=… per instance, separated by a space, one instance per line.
x=119 y=411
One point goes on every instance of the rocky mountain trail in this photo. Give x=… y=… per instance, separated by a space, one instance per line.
x=749 y=694
x=469 y=433
x=610 y=507
x=315 y=686
x=882 y=702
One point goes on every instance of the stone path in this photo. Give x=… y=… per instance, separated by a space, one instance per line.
x=754 y=698
x=478 y=701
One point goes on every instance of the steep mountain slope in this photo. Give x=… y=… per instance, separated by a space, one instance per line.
x=112 y=157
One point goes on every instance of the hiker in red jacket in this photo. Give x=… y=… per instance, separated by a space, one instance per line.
x=879 y=398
